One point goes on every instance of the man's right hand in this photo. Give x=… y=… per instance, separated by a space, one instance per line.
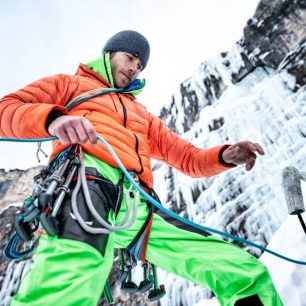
x=73 y=129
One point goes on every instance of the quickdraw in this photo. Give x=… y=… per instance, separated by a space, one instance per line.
x=41 y=208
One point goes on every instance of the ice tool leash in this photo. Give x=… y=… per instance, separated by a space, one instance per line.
x=160 y=207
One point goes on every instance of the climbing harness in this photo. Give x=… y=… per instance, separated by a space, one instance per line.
x=42 y=207
x=136 y=252
x=51 y=186
x=27 y=221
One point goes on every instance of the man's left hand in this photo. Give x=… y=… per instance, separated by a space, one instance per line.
x=243 y=152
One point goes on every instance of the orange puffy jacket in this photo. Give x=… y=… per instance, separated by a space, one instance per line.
x=135 y=134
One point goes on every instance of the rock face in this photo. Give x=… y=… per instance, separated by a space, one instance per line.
x=261 y=78
x=254 y=91
x=276 y=29
x=273 y=38
x=15 y=185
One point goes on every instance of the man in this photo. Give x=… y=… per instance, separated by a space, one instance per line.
x=72 y=267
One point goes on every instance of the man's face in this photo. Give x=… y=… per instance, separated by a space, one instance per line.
x=125 y=68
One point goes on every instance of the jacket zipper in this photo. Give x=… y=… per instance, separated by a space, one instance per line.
x=114 y=103
x=124 y=111
x=136 y=149
x=136 y=138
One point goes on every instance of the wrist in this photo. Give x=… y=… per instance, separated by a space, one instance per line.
x=220 y=158
x=52 y=116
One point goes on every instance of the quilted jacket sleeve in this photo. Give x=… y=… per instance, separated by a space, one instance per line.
x=23 y=114
x=167 y=146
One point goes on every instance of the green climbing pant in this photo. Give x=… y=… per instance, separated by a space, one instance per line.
x=68 y=272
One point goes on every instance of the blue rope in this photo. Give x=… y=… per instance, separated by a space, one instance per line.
x=165 y=210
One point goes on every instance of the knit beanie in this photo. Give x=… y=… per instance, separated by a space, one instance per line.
x=131 y=42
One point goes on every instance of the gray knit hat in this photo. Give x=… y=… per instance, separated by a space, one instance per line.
x=131 y=42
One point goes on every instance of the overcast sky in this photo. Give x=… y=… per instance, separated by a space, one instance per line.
x=45 y=37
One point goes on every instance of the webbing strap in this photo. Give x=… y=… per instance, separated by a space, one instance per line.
x=139 y=244
x=145 y=241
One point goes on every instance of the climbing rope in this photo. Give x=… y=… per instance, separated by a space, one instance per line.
x=165 y=210
x=107 y=228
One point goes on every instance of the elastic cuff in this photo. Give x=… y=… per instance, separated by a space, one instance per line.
x=221 y=160
x=52 y=116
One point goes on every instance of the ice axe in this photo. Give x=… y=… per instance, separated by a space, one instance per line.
x=291 y=182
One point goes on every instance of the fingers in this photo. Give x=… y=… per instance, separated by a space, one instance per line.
x=62 y=136
x=72 y=135
x=90 y=132
x=248 y=145
x=71 y=130
x=243 y=153
x=250 y=161
x=259 y=149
